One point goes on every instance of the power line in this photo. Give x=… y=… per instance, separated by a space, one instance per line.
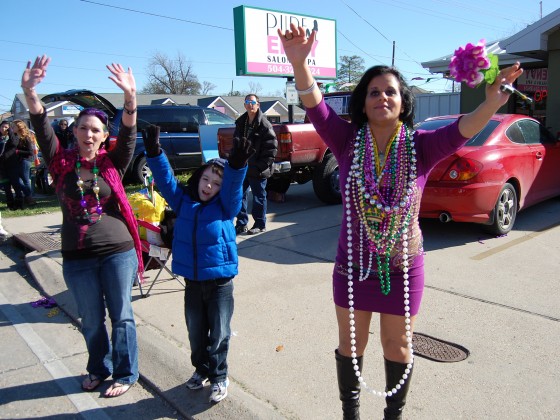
x=156 y=15
x=70 y=49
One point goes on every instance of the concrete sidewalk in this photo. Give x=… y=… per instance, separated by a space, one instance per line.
x=486 y=294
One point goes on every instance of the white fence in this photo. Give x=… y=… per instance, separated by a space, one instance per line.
x=434 y=104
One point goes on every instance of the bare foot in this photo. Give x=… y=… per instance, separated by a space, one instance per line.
x=91 y=382
x=117 y=389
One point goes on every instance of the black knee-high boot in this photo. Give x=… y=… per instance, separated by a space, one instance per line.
x=348 y=386
x=395 y=403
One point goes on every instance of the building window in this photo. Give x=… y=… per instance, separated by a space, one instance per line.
x=534 y=84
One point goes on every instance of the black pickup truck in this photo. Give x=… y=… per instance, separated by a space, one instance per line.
x=179 y=125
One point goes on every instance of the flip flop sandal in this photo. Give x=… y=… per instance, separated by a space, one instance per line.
x=123 y=388
x=94 y=382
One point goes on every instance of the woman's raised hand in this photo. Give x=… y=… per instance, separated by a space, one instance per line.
x=123 y=79
x=33 y=75
x=297 y=45
x=506 y=76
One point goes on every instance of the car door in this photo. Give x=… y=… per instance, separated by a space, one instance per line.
x=157 y=116
x=546 y=154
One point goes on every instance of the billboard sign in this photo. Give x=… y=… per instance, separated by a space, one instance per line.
x=258 y=49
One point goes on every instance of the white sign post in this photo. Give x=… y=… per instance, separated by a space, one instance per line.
x=292 y=97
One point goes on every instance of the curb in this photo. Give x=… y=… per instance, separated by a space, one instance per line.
x=164 y=367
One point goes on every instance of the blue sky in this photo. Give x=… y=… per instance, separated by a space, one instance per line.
x=82 y=36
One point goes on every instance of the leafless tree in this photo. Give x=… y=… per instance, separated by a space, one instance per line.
x=174 y=76
x=254 y=87
x=207 y=88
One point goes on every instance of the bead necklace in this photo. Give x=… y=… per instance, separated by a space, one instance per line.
x=95 y=188
x=383 y=200
x=249 y=125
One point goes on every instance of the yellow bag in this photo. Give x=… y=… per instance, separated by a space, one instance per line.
x=145 y=209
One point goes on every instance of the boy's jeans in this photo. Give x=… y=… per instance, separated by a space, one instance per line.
x=208 y=311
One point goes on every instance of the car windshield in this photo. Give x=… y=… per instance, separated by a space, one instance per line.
x=216 y=117
x=477 y=140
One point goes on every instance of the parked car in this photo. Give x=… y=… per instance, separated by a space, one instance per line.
x=179 y=124
x=513 y=163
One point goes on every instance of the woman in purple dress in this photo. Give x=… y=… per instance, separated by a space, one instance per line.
x=383 y=167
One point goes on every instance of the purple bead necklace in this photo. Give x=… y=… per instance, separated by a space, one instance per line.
x=382 y=194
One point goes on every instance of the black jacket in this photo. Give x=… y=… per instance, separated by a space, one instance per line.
x=263 y=139
x=66 y=137
x=25 y=148
x=8 y=156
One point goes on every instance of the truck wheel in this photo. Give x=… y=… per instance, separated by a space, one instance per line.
x=325 y=181
x=141 y=170
x=279 y=185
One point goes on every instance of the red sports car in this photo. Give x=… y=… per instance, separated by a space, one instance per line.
x=513 y=163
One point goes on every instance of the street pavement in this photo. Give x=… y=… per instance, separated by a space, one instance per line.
x=496 y=297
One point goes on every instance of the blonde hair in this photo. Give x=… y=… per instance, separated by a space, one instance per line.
x=23 y=128
x=25 y=133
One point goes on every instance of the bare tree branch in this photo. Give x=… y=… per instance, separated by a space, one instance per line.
x=207 y=87
x=173 y=76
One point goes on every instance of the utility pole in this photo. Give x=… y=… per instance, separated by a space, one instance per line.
x=393 y=59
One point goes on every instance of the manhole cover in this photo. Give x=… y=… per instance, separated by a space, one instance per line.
x=437 y=350
x=40 y=241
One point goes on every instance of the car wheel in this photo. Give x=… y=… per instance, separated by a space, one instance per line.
x=326 y=181
x=505 y=211
x=141 y=170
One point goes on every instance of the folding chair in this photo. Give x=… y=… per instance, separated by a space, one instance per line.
x=158 y=256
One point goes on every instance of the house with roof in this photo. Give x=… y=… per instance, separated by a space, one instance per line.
x=537 y=48
x=275 y=108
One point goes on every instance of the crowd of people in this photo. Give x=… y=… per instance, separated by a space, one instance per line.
x=19 y=156
x=379 y=265
x=18 y=152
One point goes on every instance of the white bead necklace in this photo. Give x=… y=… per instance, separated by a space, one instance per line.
x=364 y=275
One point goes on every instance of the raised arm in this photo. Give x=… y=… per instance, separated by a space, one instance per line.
x=125 y=80
x=472 y=123
x=297 y=47
x=32 y=76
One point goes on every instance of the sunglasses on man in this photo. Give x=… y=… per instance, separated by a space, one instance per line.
x=250 y=102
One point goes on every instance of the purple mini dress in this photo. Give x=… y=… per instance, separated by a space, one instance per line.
x=431 y=147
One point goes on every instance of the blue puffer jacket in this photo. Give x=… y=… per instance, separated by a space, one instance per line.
x=204 y=246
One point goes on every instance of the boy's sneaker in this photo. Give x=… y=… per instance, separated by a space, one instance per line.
x=197 y=381
x=219 y=391
x=256 y=230
x=241 y=229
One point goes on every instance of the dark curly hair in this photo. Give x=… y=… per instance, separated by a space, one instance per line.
x=358 y=98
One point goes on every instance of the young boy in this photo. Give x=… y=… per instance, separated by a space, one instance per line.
x=205 y=252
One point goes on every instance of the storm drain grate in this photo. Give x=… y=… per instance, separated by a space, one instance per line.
x=437 y=350
x=40 y=241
